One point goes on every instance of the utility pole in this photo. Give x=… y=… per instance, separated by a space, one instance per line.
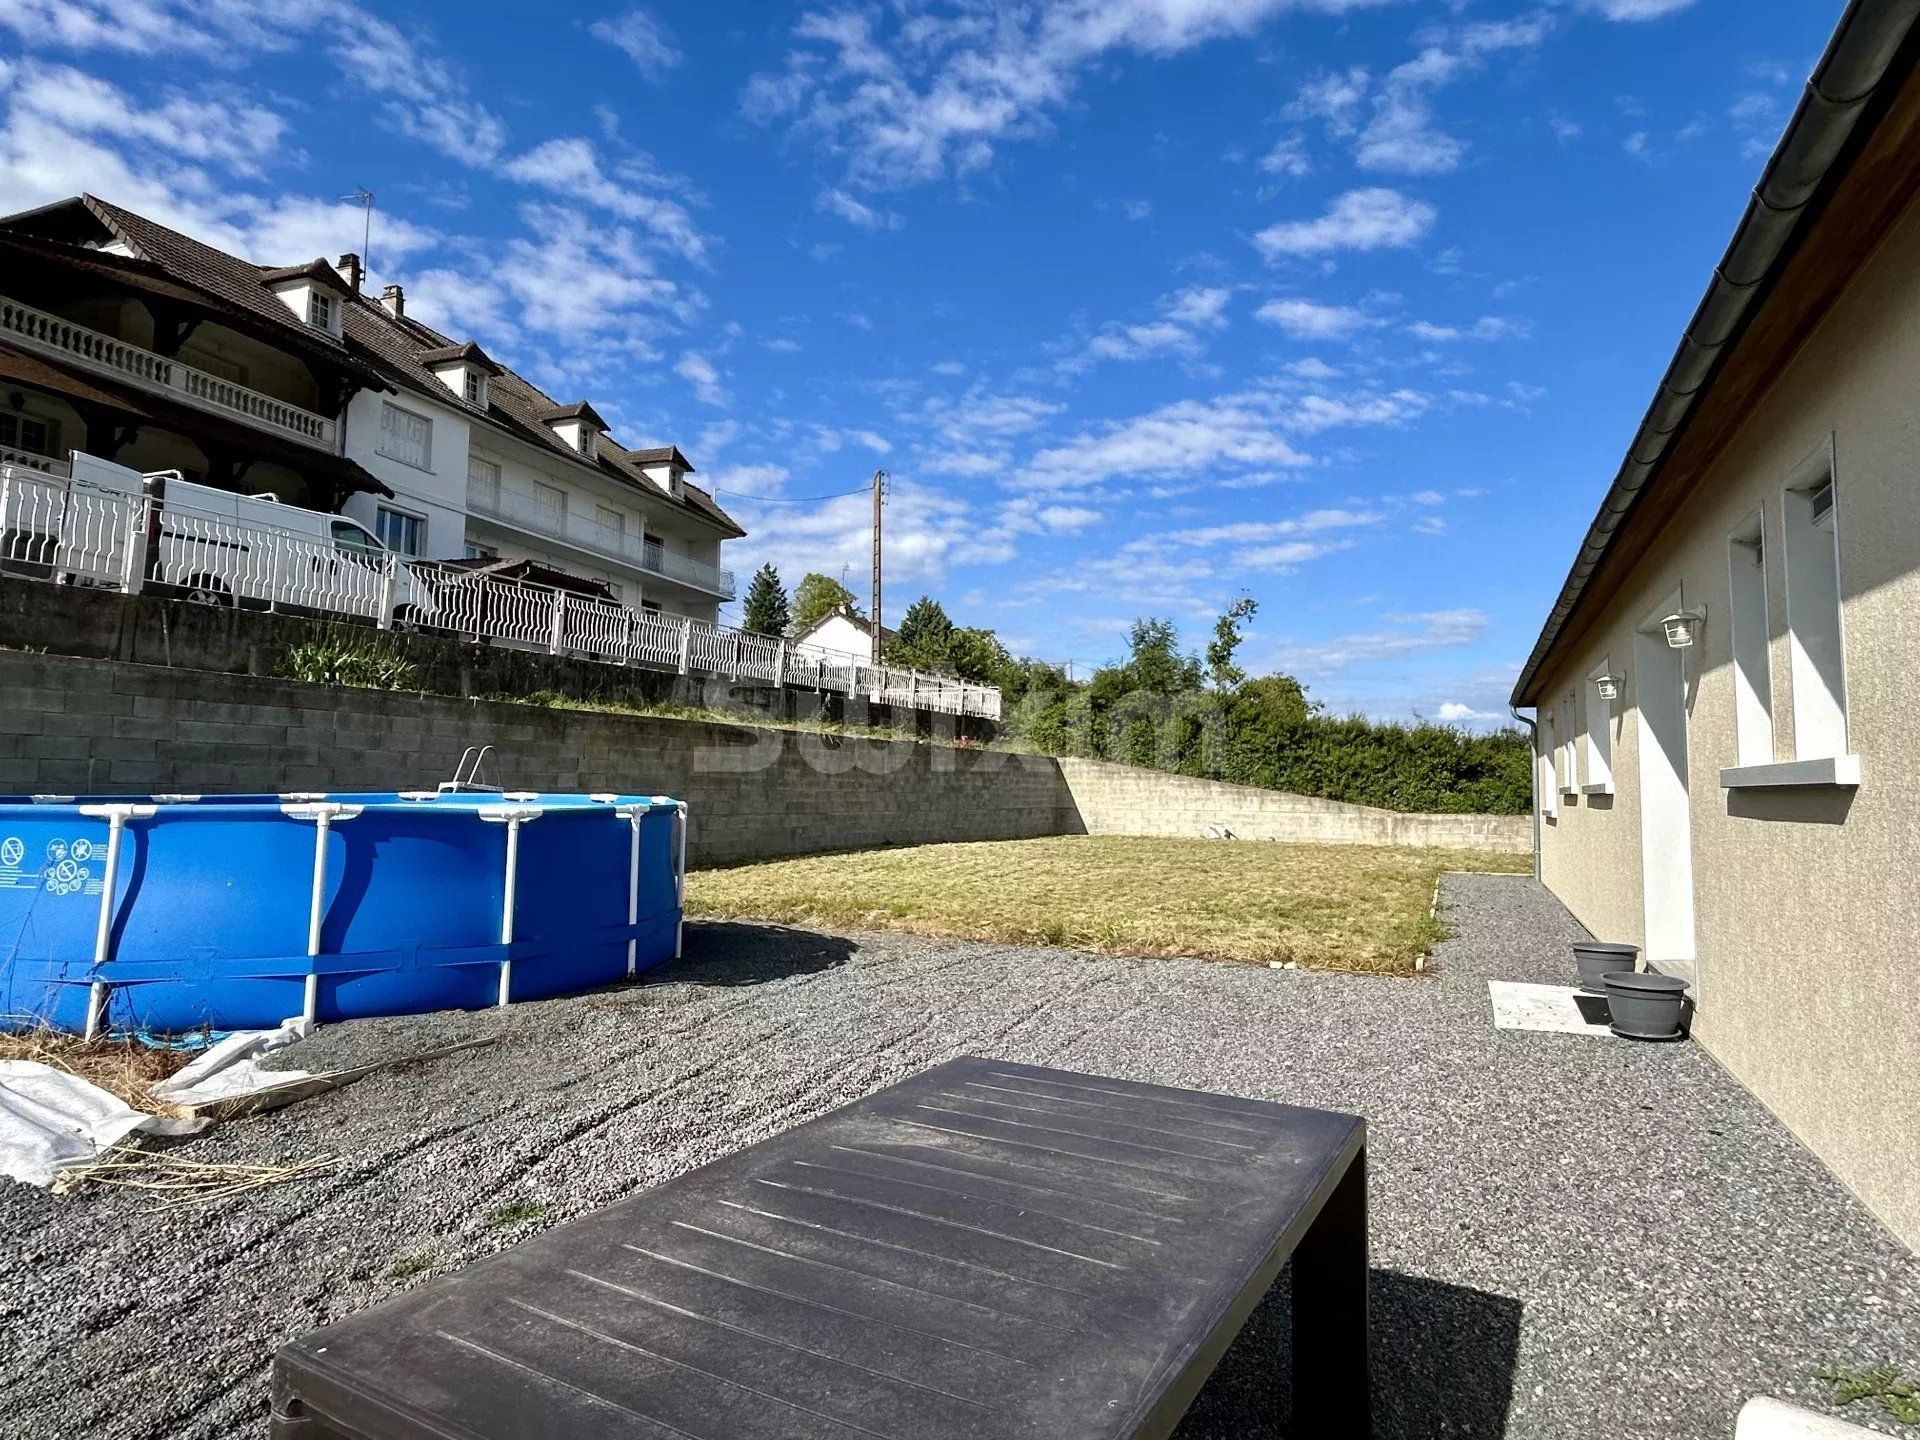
x=879 y=500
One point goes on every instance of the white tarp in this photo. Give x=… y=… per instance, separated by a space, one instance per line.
x=1518 y=1006
x=50 y=1120
x=232 y=1067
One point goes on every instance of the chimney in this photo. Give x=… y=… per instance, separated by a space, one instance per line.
x=395 y=299
x=350 y=271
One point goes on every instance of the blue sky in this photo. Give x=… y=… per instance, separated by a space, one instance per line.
x=1348 y=305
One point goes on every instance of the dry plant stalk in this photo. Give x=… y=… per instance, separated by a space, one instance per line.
x=123 y=1067
x=176 y=1180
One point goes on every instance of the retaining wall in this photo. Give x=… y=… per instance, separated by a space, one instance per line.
x=79 y=726
x=1124 y=800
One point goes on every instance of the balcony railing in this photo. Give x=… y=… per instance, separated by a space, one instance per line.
x=63 y=530
x=556 y=524
x=47 y=334
x=28 y=460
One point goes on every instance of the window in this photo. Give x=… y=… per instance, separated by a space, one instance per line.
x=613 y=588
x=1809 y=520
x=320 y=310
x=477 y=551
x=551 y=499
x=653 y=552
x=483 y=482
x=1570 y=747
x=1752 y=678
x=651 y=607
x=1598 y=723
x=400 y=532
x=1548 y=781
x=613 y=524
x=473 y=386
x=29 y=433
x=588 y=440
x=406 y=437
x=350 y=538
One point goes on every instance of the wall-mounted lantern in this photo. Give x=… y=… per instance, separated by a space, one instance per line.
x=1683 y=627
x=1607 y=687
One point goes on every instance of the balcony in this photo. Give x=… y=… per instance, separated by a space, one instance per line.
x=49 y=335
x=597 y=539
x=28 y=460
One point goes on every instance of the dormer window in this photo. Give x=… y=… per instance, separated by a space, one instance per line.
x=314 y=292
x=577 y=426
x=463 y=369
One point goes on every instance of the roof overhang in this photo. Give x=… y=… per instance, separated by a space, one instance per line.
x=1846 y=167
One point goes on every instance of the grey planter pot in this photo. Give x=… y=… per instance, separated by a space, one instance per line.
x=1599 y=958
x=1646 y=1006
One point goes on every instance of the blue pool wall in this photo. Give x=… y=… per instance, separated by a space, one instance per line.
x=213 y=897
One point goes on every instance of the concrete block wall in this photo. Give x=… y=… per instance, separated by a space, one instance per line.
x=1122 y=800
x=73 y=726
x=78 y=726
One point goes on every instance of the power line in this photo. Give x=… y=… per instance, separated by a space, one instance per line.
x=793 y=499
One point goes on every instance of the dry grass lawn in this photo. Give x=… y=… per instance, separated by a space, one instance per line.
x=1326 y=907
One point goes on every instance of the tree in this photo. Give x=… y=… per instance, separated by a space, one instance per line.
x=767 y=612
x=818 y=596
x=978 y=657
x=1226 y=640
x=924 y=640
x=1154 y=662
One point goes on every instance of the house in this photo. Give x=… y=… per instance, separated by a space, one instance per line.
x=131 y=341
x=844 y=633
x=1727 y=689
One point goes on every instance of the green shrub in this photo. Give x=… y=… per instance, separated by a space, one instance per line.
x=348 y=662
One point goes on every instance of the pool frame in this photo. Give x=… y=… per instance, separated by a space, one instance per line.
x=326 y=810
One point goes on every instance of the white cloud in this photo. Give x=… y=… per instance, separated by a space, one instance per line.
x=855 y=212
x=1241 y=532
x=1637 y=9
x=1487 y=327
x=1247 y=429
x=948 y=367
x=747 y=481
x=699 y=372
x=1184 y=320
x=1287 y=157
x=876 y=443
x=1374 y=218
x=1067 y=519
x=1408 y=635
x=1310 y=320
x=631 y=189
x=782 y=345
x=911 y=94
x=1453 y=712
x=642 y=39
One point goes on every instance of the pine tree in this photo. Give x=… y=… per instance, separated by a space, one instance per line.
x=925 y=638
x=767 y=612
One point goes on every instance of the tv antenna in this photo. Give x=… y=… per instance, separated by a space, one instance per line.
x=363 y=197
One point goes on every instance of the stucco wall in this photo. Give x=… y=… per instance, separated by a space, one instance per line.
x=1807 y=901
x=1124 y=800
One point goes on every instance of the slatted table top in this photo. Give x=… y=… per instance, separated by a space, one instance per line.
x=986 y=1249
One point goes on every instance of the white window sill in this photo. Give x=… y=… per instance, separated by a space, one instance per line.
x=1598 y=787
x=1833 y=770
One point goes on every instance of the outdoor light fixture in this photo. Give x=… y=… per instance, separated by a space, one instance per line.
x=1606 y=686
x=1683 y=627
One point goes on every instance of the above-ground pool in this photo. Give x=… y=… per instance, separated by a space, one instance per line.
x=170 y=913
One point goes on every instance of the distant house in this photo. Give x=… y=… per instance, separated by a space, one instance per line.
x=1727 y=689
x=127 y=340
x=844 y=634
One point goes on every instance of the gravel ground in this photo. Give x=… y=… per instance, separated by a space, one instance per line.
x=1572 y=1237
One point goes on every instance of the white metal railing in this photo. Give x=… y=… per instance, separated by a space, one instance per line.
x=60 y=529
x=497 y=503
x=36 y=330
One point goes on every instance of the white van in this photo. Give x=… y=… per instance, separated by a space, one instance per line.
x=108 y=524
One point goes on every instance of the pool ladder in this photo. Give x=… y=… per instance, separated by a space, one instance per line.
x=466 y=775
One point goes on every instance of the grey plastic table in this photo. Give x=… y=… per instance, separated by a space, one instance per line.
x=983 y=1250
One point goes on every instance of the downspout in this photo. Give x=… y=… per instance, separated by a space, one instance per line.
x=1533 y=777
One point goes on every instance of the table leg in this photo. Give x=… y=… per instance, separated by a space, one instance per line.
x=1332 y=1389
